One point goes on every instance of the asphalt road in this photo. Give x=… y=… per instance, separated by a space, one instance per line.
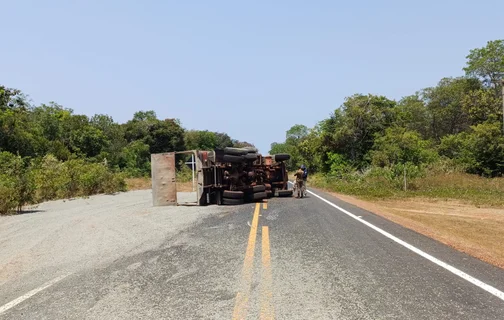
x=294 y=259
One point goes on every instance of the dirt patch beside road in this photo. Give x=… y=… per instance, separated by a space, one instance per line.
x=477 y=231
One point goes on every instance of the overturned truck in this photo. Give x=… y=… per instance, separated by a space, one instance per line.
x=229 y=176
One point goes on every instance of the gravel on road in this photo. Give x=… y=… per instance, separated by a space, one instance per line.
x=66 y=236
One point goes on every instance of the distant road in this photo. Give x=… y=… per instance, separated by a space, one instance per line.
x=312 y=258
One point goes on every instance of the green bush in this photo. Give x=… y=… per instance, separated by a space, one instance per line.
x=8 y=199
x=49 y=178
x=184 y=174
x=16 y=182
x=481 y=150
x=338 y=165
x=114 y=182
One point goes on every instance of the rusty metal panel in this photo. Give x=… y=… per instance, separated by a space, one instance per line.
x=200 y=178
x=164 y=188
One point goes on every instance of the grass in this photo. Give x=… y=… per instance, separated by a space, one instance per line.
x=142 y=183
x=145 y=183
x=183 y=178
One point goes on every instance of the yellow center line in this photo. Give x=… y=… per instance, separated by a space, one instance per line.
x=267 y=310
x=242 y=297
x=265 y=205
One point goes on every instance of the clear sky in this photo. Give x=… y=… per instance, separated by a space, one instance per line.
x=251 y=70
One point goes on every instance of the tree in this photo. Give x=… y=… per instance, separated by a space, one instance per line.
x=482 y=105
x=481 y=150
x=412 y=114
x=487 y=63
x=166 y=136
x=88 y=141
x=200 y=140
x=114 y=135
x=351 y=129
x=135 y=159
x=277 y=148
x=311 y=150
x=297 y=132
x=445 y=105
x=400 y=146
x=161 y=135
x=223 y=140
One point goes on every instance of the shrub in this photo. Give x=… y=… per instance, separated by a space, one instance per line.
x=114 y=182
x=16 y=182
x=8 y=200
x=48 y=178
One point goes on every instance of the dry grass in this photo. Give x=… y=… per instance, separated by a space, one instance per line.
x=466 y=187
x=477 y=231
x=145 y=183
x=184 y=187
x=138 y=183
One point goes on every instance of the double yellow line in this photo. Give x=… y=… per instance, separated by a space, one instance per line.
x=242 y=297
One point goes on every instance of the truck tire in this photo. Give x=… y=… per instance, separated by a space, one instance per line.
x=232 y=159
x=251 y=156
x=251 y=149
x=235 y=151
x=233 y=194
x=284 y=193
x=231 y=202
x=218 y=197
x=281 y=157
x=260 y=195
x=267 y=186
x=258 y=188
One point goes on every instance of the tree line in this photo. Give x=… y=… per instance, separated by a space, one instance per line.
x=457 y=124
x=48 y=151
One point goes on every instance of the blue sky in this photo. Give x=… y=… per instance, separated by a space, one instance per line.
x=251 y=70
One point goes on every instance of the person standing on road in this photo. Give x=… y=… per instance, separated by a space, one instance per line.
x=305 y=178
x=305 y=172
x=299 y=179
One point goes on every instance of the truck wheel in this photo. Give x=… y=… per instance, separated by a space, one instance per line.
x=235 y=151
x=251 y=149
x=259 y=188
x=284 y=193
x=232 y=202
x=218 y=197
x=251 y=156
x=267 y=186
x=232 y=159
x=233 y=194
x=260 y=195
x=281 y=157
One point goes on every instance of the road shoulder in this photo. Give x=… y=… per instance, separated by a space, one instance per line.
x=473 y=230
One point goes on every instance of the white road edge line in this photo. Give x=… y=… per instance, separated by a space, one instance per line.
x=488 y=288
x=30 y=294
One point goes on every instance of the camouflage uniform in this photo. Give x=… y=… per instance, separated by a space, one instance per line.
x=299 y=179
